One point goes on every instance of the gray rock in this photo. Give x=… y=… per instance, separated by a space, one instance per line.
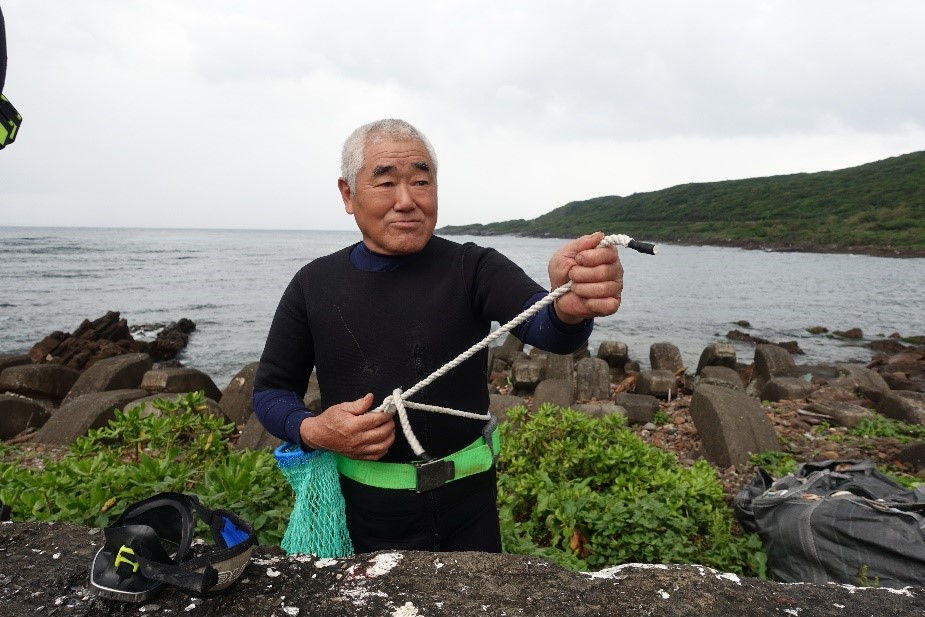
x=10 y=359
x=17 y=413
x=559 y=392
x=713 y=373
x=255 y=437
x=640 y=408
x=732 y=426
x=582 y=352
x=861 y=379
x=123 y=372
x=717 y=354
x=903 y=405
x=507 y=350
x=527 y=374
x=614 y=353
x=83 y=413
x=661 y=384
x=913 y=454
x=498 y=404
x=773 y=361
x=600 y=410
x=238 y=398
x=180 y=379
x=560 y=366
x=665 y=357
x=45 y=568
x=786 y=389
x=842 y=413
x=51 y=381
x=592 y=376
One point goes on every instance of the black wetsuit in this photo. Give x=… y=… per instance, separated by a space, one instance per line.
x=373 y=332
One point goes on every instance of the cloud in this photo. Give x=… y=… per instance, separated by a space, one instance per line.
x=232 y=114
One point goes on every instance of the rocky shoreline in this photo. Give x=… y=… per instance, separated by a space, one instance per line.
x=751 y=245
x=724 y=410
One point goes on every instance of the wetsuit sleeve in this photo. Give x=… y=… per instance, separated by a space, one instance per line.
x=285 y=366
x=281 y=412
x=547 y=332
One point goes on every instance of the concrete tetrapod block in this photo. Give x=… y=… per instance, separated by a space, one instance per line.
x=238 y=398
x=560 y=366
x=180 y=379
x=116 y=373
x=773 y=361
x=17 y=413
x=786 y=389
x=600 y=410
x=255 y=437
x=665 y=357
x=640 y=408
x=526 y=374
x=614 y=353
x=717 y=354
x=861 y=379
x=498 y=404
x=905 y=406
x=592 y=376
x=18 y=359
x=732 y=425
x=52 y=381
x=661 y=384
x=559 y=392
x=82 y=414
x=712 y=373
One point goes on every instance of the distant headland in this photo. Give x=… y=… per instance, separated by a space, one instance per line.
x=873 y=209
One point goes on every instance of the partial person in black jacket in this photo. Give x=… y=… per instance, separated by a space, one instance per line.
x=387 y=312
x=10 y=119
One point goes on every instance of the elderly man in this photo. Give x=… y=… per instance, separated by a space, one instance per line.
x=387 y=312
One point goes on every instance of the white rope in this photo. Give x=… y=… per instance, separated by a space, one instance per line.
x=398 y=400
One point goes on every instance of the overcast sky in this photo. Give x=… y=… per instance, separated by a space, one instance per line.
x=231 y=114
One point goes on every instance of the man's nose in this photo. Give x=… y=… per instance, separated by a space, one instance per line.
x=403 y=198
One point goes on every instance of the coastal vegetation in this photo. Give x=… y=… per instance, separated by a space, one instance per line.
x=582 y=492
x=877 y=208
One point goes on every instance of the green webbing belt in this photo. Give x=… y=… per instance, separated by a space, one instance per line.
x=474 y=458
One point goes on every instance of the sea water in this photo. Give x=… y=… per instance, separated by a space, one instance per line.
x=229 y=282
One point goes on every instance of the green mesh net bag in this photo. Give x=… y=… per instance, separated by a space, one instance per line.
x=317 y=525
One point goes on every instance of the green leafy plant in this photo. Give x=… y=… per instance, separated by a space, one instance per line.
x=778 y=464
x=880 y=426
x=174 y=446
x=587 y=493
x=661 y=417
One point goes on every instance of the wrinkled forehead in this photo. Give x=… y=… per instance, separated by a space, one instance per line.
x=391 y=153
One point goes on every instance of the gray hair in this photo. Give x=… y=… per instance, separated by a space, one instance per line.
x=351 y=159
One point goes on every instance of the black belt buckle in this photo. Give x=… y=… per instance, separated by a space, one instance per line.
x=434 y=474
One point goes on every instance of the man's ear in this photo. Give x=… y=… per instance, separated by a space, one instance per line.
x=345 y=194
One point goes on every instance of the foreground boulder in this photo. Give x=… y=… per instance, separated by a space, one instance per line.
x=44 y=570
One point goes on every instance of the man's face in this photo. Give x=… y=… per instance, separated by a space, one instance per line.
x=395 y=201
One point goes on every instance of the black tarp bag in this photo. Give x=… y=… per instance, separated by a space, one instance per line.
x=837 y=521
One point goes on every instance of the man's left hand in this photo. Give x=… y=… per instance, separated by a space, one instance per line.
x=596 y=275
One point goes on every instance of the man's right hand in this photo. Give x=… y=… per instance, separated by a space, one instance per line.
x=347 y=429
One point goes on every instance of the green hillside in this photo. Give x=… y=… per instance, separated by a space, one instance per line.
x=875 y=208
